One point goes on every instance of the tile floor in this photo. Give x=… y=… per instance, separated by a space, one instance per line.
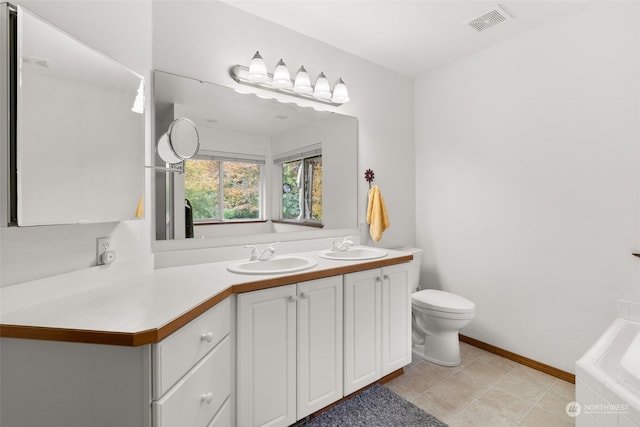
x=486 y=390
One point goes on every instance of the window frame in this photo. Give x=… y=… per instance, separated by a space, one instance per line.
x=303 y=155
x=232 y=158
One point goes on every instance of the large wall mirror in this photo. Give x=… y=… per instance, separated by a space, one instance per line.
x=77 y=149
x=263 y=167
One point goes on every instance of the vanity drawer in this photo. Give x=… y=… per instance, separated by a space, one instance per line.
x=175 y=355
x=197 y=397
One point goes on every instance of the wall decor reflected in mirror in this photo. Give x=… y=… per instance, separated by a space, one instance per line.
x=78 y=149
x=263 y=166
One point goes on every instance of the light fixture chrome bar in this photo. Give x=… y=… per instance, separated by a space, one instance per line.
x=239 y=73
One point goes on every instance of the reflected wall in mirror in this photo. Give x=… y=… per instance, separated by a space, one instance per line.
x=80 y=131
x=262 y=148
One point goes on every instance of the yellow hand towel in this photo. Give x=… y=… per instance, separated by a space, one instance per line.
x=376 y=214
x=140 y=208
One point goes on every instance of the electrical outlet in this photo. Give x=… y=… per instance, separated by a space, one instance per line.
x=103 y=246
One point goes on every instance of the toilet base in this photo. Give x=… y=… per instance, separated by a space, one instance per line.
x=443 y=350
x=449 y=364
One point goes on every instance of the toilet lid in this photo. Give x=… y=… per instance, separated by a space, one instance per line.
x=434 y=299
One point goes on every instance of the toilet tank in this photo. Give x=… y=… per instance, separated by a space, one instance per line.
x=414 y=266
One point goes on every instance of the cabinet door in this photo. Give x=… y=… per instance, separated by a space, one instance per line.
x=266 y=328
x=361 y=329
x=319 y=344
x=396 y=318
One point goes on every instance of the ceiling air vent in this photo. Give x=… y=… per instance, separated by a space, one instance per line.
x=489 y=18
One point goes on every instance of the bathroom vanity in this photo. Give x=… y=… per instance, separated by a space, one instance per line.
x=197 y=345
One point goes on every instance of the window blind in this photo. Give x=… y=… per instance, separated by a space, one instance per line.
x=222 y=156
x=301 y=153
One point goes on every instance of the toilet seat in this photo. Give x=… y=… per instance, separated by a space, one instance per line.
x=433 y=299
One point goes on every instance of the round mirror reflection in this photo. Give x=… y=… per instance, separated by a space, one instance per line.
x=165 y=152
x=180 y=142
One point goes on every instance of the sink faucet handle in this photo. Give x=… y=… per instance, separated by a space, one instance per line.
x=272 y=248
x=344 y=245
x=334 y=243
x=267 y=253
x=254 y=252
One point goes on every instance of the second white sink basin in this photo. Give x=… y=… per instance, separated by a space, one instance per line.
x=276 y=265
x=354 y=253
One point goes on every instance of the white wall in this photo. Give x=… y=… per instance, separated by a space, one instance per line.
x=204 y=39
x=528 y=184
x=121 y=30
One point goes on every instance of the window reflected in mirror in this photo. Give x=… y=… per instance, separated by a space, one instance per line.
x=302 y=189
x=220 y=190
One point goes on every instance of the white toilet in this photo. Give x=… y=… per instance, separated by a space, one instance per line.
x=437 y=318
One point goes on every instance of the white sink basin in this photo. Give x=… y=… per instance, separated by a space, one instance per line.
x=276 y=265
x=354 y=253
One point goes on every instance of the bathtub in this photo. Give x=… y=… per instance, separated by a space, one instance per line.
x=608 y=375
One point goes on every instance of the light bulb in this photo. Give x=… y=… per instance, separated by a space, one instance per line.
x=281 y=76
x=302 y=83
x=257 y=69
x=340 y=93
x=138 y=103
x=322 y=89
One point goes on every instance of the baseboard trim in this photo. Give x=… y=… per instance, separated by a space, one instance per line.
x=555 y=372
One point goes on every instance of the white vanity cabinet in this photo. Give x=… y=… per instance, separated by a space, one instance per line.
x=192 y=371
x=396 y=318
x=319 y=335
x=183 y=380
x=362 y=326
x=289 y=351
x=377 y=324
x=265 y=353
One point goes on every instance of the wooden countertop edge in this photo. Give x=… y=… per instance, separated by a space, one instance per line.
x=151 y=336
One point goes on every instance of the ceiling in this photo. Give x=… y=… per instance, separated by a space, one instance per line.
x=409 y=37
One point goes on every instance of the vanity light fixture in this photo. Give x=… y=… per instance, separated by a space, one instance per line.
x=258 y=69
x=303 y=82
x=322 y=89
x=256 y=75
x=138 y=103
x=340 y=93
x=281 y=76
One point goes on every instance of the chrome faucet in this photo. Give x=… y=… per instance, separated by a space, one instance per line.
x=342 y=246
x=268 y=252
x=254 y=252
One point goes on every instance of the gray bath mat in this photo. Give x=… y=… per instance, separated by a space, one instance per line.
x=376 y=406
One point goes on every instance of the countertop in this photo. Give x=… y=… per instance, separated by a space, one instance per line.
x=134 y=304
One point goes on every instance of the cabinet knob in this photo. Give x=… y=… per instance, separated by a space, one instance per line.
x=378 y=279
x=303 y=295
x=208 y=397
x=385 y=277
x=208 y=337
x=293 y=298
